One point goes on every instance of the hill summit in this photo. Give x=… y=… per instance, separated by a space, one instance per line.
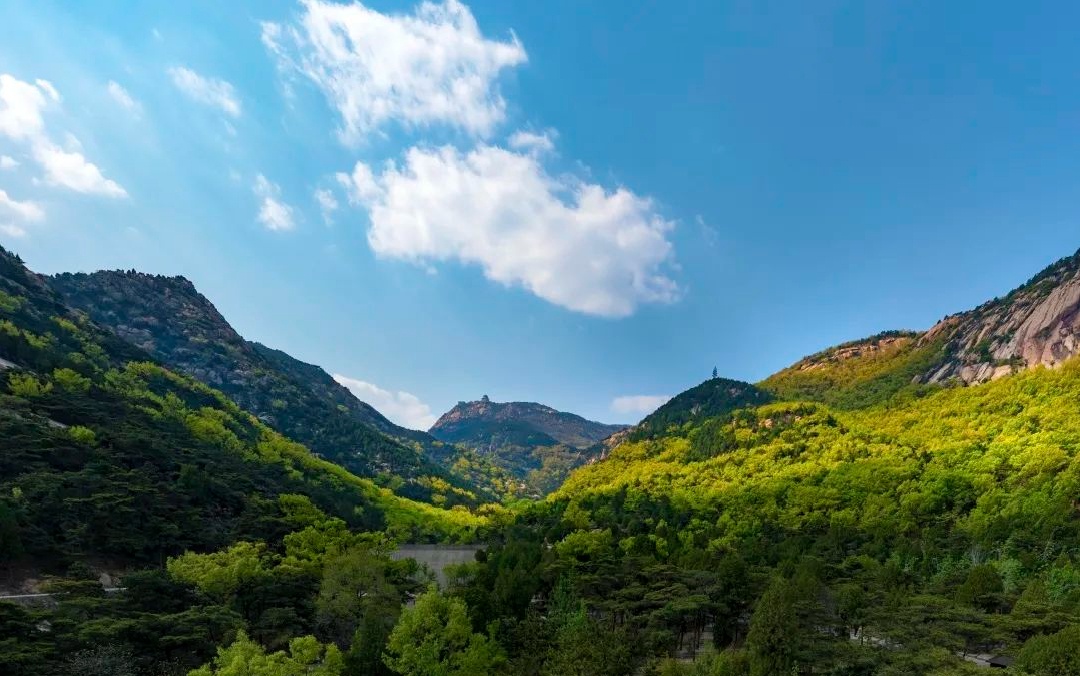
x=536 y=443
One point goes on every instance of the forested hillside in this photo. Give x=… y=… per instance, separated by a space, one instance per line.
x=846 y=516
x=534 y=443
x=170 y=319
x=851 y=515
x=110 y=463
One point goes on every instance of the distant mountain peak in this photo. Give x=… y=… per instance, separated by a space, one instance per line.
x=535 y=442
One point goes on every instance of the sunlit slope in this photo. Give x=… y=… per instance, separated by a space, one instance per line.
x=987 y=462
x=107 y=455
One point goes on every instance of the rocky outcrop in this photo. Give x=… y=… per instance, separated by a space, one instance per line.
x=1035 y=325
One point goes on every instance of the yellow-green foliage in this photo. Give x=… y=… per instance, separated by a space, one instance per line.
x=244 y=657
x=70 y=380
x=883 y=366
x=27 y=386
x=994 y=460
x=9 y=303
x=220 y=574
x=83 y=435
x=226 y=425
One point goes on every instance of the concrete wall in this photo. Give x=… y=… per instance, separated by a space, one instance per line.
x=438 y=557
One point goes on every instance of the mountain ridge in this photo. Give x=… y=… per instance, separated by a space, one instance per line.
x=170 y=319
x=535 y=442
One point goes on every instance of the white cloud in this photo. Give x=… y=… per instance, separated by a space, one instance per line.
x=22 y=108
x=8 y=162
x=72 y=170
x=328 y=204
x=360 y=185
x=27 y=211
x=638 y=404
x=403 y=408
x=12 y=230
x=123 y=98
x=273 y=213
x=571 y=243
x=430 y=67
x=532 y=141
x=207 y=90
x=47 y=87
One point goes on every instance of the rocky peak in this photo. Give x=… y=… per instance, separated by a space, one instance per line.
x=566 y=428
x=1036 y=324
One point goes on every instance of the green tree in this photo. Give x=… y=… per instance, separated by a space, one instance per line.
x=1054 y=655
x=982 y=588
x=435 y=638
x=584 y=648
x=244 y=657
x=773 y=627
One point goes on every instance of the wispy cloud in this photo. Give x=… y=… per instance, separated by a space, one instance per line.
x=22 y=109
x=123 y=98
x=208 y=91
x=13 y=231
x=403 y=408
x=26 y=210
x=638 y=404
x=8 y=162
x=541 y=142
x=273 y=213
x=328 y=204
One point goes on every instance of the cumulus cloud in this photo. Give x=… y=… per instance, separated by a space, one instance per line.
x=531 y=141
x=572 y=243
x=22 y=119
x=123 y=98
x=27 y=211
x=22 y=107
x=207 y=90
x=360 y=185
x=72 y=170
x=638 y=404
x=403 y=408
x=273 y=213
x=431 y=66
x=8 y=162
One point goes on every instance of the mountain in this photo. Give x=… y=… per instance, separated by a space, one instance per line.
x=905 y=503
x=110 y=459
x=169 y=319
x=1036 y=324
x=203 y=521
x=535 y=443
x=714 y=397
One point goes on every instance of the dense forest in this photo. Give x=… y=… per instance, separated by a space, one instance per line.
x=844 y=517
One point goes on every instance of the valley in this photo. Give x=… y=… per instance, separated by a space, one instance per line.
x=914 y=487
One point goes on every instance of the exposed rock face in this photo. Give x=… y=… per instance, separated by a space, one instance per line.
x=535 y=443
x=860 y=349
x=1035 y=325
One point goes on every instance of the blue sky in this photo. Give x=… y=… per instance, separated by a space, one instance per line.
x=588 y=205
